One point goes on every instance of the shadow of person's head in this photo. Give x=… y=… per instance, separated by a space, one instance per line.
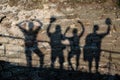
x=52 y=19
x=58 y=28
x=30 y=26
x=95 y=28
x=75 y=31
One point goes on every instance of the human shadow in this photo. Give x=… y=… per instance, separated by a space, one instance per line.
x=75 y=46
x=92 y=48
x=56 y=45
x=31 y=44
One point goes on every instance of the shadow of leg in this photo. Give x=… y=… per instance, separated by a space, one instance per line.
x=28 y=54
x=69 y=61
x=90 y=66
x=41 y=56
x=61 y=61
x=77 y=61
x=96 y=65
x=53 y=58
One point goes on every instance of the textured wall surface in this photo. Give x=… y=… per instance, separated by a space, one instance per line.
x=67 y=13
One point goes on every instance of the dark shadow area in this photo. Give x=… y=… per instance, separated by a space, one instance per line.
x=56 y=45
x=9 y=71
x=92 y=48
x=31 y=44
x=2 y=18
x=75 y=46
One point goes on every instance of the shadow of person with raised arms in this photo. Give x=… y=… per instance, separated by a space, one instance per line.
x=57 y=47
x=92 y=48
x=75 y=46
x=31 y=44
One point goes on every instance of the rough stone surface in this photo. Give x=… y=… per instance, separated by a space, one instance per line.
x=67 y=12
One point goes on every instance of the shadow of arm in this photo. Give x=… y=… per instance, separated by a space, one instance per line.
x=106 y=33
x=52 y=19
x=66 y=31
x=2 y=18
x=40 y=25
x=20 y=26
x=83 y=29
x=108 y=22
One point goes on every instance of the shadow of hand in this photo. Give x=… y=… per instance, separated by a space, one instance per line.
x=52 y=19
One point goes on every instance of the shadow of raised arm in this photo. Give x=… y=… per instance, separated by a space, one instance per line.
x=20 y=26
x=83 y=29
x=52 y=19
x=109 y=23
x=66 y=31
x=40 y=25
x=2 y=18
